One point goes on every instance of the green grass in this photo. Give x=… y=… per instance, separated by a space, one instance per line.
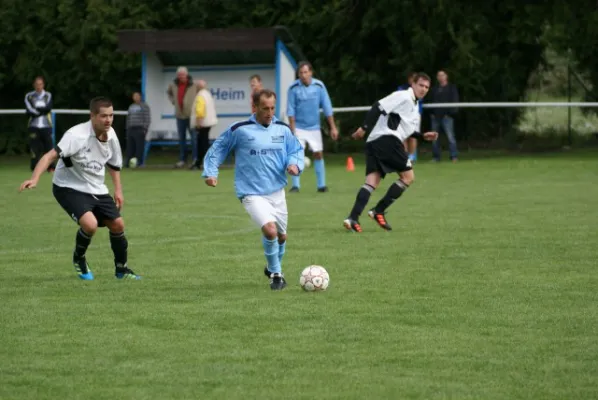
x=487 y=288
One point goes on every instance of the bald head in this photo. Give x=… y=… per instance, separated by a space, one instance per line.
x=201 y=84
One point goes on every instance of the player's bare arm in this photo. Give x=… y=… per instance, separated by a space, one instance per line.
x=292 y=124
x=430 y=136
x=333 y=128
x=293 y=170
x=211 y=181
x=358 y=134
x=119 y=198
x=48 y=159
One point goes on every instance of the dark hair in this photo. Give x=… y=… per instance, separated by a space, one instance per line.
x=267 y=93
x=301 y=65
x=98 y=102
x=41 y=78
x=256 y=76
x=421 y=75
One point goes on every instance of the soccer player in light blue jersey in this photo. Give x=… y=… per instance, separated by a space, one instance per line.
x=305 y=98
x=265 y=150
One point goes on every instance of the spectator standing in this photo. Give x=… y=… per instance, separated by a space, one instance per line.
x=203 y=118
x=181 y=93
x=38 y=104
x=138 y=122
x=443 y=118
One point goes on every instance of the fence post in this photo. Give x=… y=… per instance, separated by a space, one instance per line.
x=569 y=101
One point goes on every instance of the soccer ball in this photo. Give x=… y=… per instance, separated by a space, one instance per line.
x=307 y=162
x=133 y=162
x=314 y=278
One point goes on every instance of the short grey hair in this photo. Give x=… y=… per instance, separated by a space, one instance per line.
x=182 y=70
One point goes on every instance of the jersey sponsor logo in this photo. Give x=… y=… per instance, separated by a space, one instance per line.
x=263 y=152
x=92 y=166
x=270 y=151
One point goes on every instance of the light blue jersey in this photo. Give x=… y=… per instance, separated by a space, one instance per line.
x=304 y=103
x=262 y=155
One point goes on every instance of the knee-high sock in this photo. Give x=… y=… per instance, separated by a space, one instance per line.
x=119 y=244
x=281 y=250
x=82 y=242
x=363 y=196
x=394 y=192
x=271 y=251
x=320 y=173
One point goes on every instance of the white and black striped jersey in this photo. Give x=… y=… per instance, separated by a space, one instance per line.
x=83 y=157
x=398 y=116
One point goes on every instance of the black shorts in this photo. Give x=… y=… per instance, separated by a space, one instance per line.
x=77 y=203
x=385 y=155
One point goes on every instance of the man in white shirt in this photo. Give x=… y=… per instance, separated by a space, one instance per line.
x=78 y=185
x=389 y=123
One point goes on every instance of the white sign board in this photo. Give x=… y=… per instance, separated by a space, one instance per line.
x=229 y=86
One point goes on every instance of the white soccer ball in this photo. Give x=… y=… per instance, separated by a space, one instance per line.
x=307 y=162
x=133 y=162
x=314 y=278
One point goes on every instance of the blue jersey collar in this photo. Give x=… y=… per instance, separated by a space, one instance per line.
x=252 y=119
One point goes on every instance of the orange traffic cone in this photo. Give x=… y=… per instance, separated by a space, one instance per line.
x=350 y=164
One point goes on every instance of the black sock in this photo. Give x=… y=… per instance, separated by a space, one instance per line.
x=82 y=242
x=394 y=192
x=119 y=244
x=363 y=196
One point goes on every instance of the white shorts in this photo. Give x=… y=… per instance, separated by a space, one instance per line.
x=268 y=208
x=312 y=138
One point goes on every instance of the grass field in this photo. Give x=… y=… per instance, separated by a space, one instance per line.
x=487 y=288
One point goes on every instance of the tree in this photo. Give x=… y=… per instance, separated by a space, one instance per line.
x=362 y=50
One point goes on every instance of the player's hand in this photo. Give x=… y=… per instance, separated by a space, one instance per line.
x=28 y=184
x=431 y=136
x=293 y=170
x=358 y=134
x=119 y=199
x=211 y=181
x=334 y=133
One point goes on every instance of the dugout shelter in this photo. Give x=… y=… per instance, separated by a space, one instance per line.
x=224 y=58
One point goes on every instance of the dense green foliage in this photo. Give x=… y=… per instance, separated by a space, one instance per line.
x=361 y=49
